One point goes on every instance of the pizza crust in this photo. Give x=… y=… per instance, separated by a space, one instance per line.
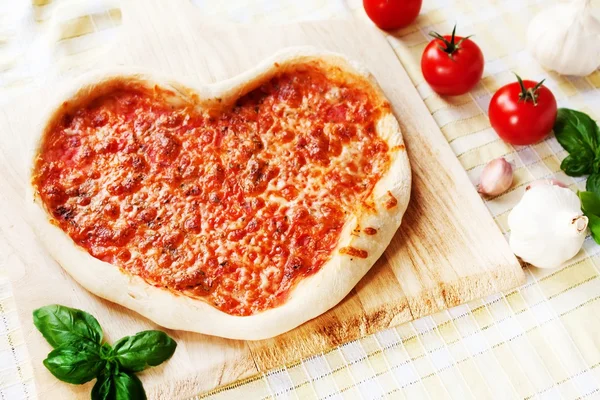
x=313 y=295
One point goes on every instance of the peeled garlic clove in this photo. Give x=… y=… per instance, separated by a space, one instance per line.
x=496 y=177
x=547 y=226
x=555 y=182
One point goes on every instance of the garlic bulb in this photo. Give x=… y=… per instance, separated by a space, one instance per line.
x=547 y=226
x=551 y=181
x=566 y=38
x=496 y=177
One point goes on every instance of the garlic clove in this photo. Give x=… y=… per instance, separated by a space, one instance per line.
x=496 y=177
x=545 y=182
x=547 y=226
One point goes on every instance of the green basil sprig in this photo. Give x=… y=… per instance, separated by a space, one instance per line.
x=80 y=356
x=580 y=136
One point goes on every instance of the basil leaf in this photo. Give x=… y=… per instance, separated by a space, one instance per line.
x=577 y=165
x=147 y=348
x=128 y=387
x=104 y=388
x=593 y=183
x=590 y=203
x=580 y=136
x=594 y=225
x=75 y=362
x=596 y=165
x=60 y=325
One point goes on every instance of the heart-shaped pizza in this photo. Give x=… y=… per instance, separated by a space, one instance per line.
x=240 y=209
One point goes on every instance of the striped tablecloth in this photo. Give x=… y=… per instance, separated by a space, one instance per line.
x=539 y=341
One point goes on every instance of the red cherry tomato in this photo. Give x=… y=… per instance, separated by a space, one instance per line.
x=451 y=64
x=392 y=14
x=523 y=112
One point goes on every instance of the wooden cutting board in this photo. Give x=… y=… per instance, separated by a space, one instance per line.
x=447 y=251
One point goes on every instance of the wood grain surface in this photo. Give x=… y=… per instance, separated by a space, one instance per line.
x=447 y=251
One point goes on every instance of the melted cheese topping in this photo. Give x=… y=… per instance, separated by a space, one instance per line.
x=233 y=208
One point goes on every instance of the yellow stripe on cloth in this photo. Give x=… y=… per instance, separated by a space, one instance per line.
x=482 y=154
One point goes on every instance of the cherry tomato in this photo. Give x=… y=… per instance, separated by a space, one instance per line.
x=392 y=14
x=452 y=64
x=523 y=112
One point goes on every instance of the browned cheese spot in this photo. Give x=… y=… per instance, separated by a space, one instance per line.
x=369 y=206
x=353 y=251
x=398 y=148
x=392 y=202
x=370 y=231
